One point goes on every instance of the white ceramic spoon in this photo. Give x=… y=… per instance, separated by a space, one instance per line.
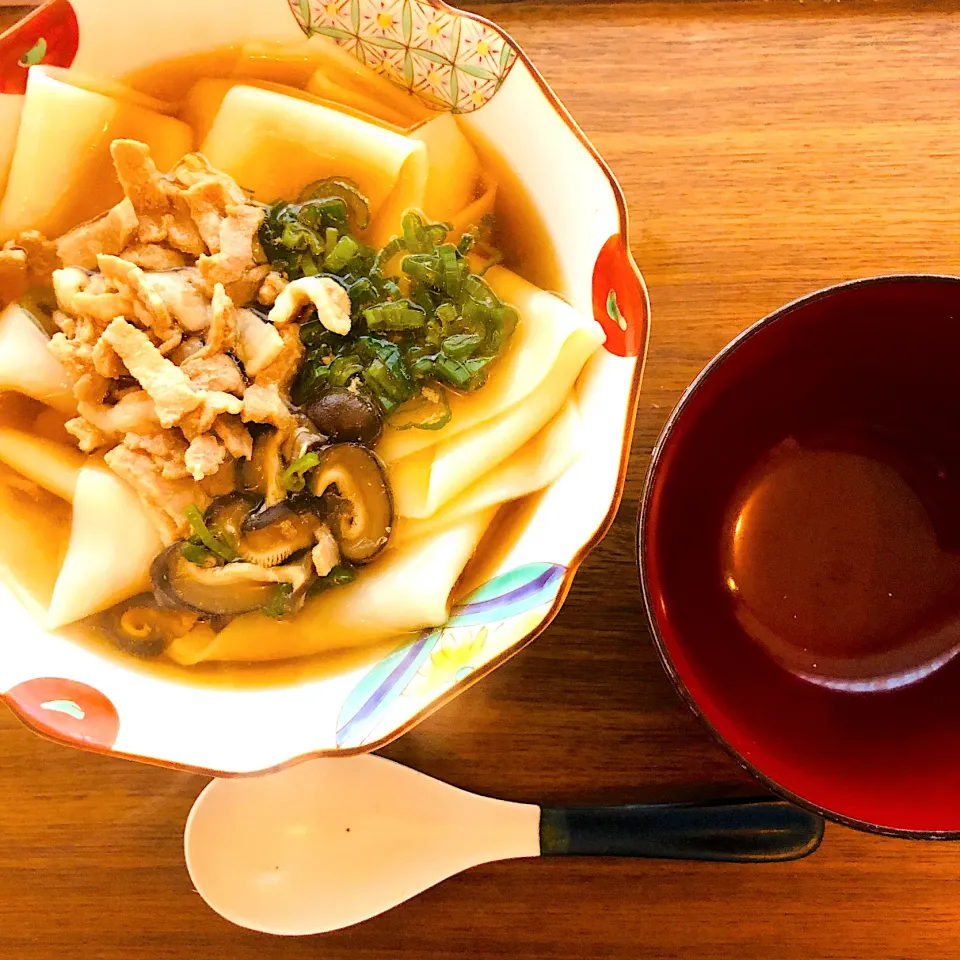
x=330 y=843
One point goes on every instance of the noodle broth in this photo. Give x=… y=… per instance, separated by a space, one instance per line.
x=35 y=524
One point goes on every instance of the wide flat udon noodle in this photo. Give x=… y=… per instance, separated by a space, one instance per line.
x=405 y=590
x=204 y=99
x=449 y=190
x=51 y=465
x=407 y=194
x=65 y=565
x=11 y=106
x=389 y=103
x=331 y=73
x=274 y=145
x=108 y=87
x=320 y=85
x=483 y=206
x=425 y=481
x=291 y=63
x=113 y=542
x=342 y=75
x=61 y=172
x=34 y=530
x=454 y=168
x=26 y=364
x=546 y=324
x=536 y=465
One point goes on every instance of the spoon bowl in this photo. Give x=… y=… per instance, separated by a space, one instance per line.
x=327 y=844
x=331 y=843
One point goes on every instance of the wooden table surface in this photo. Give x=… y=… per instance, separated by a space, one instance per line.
x=766 y=149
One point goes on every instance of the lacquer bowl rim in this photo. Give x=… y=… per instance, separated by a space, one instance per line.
x=632 y=404
x=644 y=557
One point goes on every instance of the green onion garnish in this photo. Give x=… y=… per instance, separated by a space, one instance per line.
x=399 y=315
x=339 y=192
x=430 y=410
x=430 y=320
x=202 y=533
x=344 y=251
x=294 y=476
x=339 y=576
x=197 y=554
x=276 y=609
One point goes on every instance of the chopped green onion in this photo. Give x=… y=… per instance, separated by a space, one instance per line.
x=451 y=279
x=462 y=345
x=494 y=261
x=423 y=297
x=414 y=236
x=452 y=371
x=202 y=533
x=345 y=250
x=339 y=576
x=386 y=373
x=276 y=609
x=483 y=228
x=447 y=315
x=395 y=246
x=398 y=315
x=478 y=290
x=388 y=390
x=422 y=316
x=343 y=370
x=362 y=292
x=423 y=267
x=437 y=232
x=297 y=237
x=197 y=554
x=331 y=237
x=431 y=341
x=293 y=477
x=315 y=213
x=430 y=410
x=509 y=318
x=346 y=192
x=314 y=334
x=312 y=379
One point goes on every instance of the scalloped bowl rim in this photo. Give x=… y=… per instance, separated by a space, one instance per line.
x=570 y=570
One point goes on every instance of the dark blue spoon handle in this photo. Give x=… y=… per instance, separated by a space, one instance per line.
x=739 y=831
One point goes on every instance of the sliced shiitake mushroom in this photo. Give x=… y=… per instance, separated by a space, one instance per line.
x=302 y=440
x=270 y=537
x=263 y=472
x=226 y=516
x=139 y=627
x=266 y=537
x=347 y=417
x=362 y=517
x=223 y=591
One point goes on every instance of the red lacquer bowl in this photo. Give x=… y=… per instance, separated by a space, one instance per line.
x=799 y=549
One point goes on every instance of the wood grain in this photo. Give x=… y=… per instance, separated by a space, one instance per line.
x=766 y=149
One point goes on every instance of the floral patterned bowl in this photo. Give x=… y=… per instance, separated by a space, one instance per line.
x=463 y=64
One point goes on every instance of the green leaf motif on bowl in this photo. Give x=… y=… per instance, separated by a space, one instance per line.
x=68 y=707
x=434 y=660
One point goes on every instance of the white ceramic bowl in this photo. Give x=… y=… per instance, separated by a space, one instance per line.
x=471 y=67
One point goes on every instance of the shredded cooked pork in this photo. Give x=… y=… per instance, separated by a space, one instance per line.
x=331 y=301
x=171 y=366
x=326 y=554
x=28 y=261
